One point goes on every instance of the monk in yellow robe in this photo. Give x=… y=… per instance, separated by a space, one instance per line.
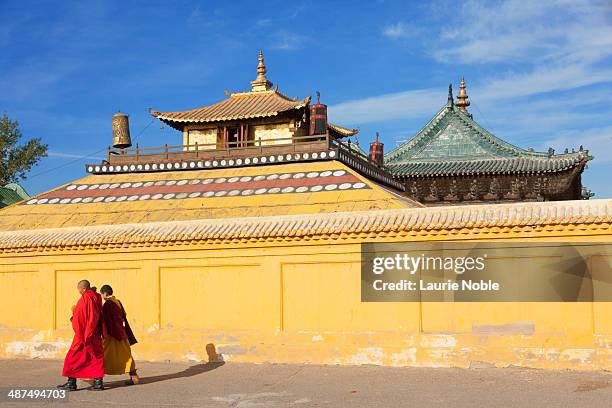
x=117 y=338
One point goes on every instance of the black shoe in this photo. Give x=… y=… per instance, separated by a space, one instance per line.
x=69 y=386
x=98 y=385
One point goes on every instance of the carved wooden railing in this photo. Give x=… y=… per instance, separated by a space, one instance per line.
x=296 y=144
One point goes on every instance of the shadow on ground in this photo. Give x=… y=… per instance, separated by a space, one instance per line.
x=188 y=372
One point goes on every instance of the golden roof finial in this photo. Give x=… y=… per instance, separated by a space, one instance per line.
x=462 y=99
x=261 y=83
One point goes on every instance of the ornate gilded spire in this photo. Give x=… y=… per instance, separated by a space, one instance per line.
x=462 y=98
x=261 y=83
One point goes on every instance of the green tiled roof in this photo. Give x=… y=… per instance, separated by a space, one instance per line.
x=453 y=143
x=12 y=193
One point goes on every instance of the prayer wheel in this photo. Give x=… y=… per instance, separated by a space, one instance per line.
x=121 y=131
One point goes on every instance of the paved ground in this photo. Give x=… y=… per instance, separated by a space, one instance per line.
x=279 y=385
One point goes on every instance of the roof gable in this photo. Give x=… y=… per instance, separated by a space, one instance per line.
x=454 y=135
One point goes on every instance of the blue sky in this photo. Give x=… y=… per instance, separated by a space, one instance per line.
x=539 y=74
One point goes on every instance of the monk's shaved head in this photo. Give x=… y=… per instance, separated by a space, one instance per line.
x=84 y=284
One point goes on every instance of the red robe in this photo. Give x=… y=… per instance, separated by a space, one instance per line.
x=85 y=359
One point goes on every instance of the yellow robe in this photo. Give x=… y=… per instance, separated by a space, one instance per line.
x=117 y=353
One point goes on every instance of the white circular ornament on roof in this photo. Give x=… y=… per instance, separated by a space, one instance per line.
x=98 y=199
x=90 y=169
x=122 y=198
x=111 y=168
x=93 y=186
x=316 y=188
x=288 y=157
x=246 y=192
x=339 y=173
x=195 y=194
x=137 y=184
x=177 y=165
x=104 y=186
x=208 y=194
x=104 y=169
x=245 y=179
x=259 y=178
x=181 y=195
x=288 y=189
x=169 y=196
x=272 y=176
x=132 y=198
x=82 y=187
x=233 y=193
x=182 y=182
x=359 y=185
x=148 y=184
x=132 y=167
x=285 y=176
x=154 y=166
x=162 y=166
x=255 y=160
x=97 y=168
x=239 y=161
x=200 y=163
x=147 y=167
x=220 y=193
x=345 y=186
x=71 y=187
x=263 y=159
x=274 y=190
x=32 y=201
x=215 y=163
x=331 y=187
x=125 y=167
x=207 y=163
x=144 y=197
x=332 y=153
x=207 y=181
x=64 y=201
x=220 y=180
x=231 y=162
x=109 y=199
x=192 y=165
x=114 y=185
x=73 y=201
x=323 y=155
x=315 y=155
x=233 y=179
x=326 y=173
x=139 y=167
x=54 y=200
x=261 y=190
x=312 y=174
x=125 y=185
x=170 y=182
x=156 y=196
x=223 y=162
x=85 y=200
x=247 y=161
x=299 y=175
x=301 y=189
x=195 y=181
x=306 y=156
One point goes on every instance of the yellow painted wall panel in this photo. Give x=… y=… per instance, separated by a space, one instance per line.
x=219 y=297
x=25 y=299
x=134 y=287
x=327 y=296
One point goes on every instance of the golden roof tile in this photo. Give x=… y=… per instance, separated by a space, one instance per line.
x=243 y=105
x=454 y=222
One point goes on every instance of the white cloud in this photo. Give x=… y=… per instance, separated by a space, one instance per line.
x=400 y=30
x=286 y=40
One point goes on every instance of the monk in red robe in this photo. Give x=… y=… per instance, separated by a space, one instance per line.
x=85 y=359
x=117 y=338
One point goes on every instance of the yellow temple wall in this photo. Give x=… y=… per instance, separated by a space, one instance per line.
x=272 y=133
x=290 y=303
x=205 y=137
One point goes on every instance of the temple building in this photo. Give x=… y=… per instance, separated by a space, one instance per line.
x=454 y=160
x=245 y=243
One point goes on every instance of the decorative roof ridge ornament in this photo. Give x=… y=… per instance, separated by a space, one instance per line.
x=261 y=83
x=462 y=99
x=450 y=102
